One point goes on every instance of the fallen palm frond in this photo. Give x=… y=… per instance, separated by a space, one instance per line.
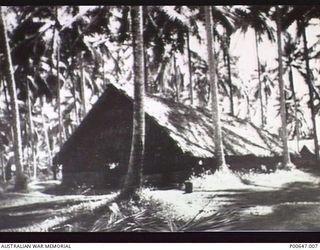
x=152 y=216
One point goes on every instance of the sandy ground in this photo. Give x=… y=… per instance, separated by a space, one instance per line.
x=283 y=200
x=36 y=211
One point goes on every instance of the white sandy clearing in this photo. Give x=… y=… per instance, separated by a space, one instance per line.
x=225 y=179
x=280 y=178
x=209 y=191
x=187 y=206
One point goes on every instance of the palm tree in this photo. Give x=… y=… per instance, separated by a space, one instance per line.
x=255 y=17
x=266 y=87
x=82 y=87
x=189 y=68
x=133 y=179
x=302 y=15
x=168 y=25
x=59 y=95
x=229 y=72
x=45 y=131
x=286 y=157
x=3 y=167
x=31 y=132
x=9 y=73
x=224 y=16
x=290 y=55
x=214 y=90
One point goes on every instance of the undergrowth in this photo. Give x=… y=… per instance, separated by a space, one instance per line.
x=150 y=215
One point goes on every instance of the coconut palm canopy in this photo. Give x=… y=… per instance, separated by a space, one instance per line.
x=192 y=130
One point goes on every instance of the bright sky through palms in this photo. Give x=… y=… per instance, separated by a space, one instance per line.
x=243 y=46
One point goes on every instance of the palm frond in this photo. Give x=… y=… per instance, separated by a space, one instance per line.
x=222 y=15
x=175 y=16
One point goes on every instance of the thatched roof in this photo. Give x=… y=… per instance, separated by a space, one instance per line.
x=192 y=129
x=307 y=144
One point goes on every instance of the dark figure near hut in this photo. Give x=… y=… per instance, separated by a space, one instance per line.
x=178 y=142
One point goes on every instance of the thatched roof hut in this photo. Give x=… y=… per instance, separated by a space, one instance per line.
x=179 y=138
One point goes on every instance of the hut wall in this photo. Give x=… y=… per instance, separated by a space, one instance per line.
x=252 y=162
x=101 y=144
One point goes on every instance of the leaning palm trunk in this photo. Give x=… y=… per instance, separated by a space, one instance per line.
x=4 y=46
x=133 y=179
x=312 y=108
x=219 y=154
x=286 y=156
x=259 y=81
x=31 y=134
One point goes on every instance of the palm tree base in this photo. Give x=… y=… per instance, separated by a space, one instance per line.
x=128 y=193
x=288 y=166
x=21 y=182
x=223 y=167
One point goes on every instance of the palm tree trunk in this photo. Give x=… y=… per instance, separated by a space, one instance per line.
x=31 y=133
x=259 y=80
x=296 y=120
x=26 y=150
x=4 y=45
x=219 y=154
x=6 y=95
x=190 y=69
x=59 y=95
x=3 y=168
x=312 y=108
x=230 y=77
x=286 y=156
x=45 y=133
x=145 y=69
x=162 y=86
x=104 y=74
x=74 y=95
x=176 y=78
x=266 y=106
x=133 y=179
x=82 y=89
x=145 y=59
x=248 y=108
x=5 y=90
